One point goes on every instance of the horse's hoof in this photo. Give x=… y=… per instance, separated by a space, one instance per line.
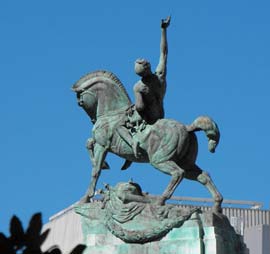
x=217 y=209
x=159 y=202
x=84 y=200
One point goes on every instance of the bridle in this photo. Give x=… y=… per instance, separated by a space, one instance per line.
x=120 y=111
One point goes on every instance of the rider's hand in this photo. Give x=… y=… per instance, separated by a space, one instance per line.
x=165 y=22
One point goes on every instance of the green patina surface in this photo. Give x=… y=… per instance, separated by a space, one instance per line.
x=188 y=239
x=129 y=221
x=138 y=132
x=197 y=233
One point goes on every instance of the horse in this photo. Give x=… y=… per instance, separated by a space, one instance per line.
x=169 y=146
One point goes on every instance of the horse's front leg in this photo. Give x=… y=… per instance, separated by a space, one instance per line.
x=98 y=158
x=90 y=145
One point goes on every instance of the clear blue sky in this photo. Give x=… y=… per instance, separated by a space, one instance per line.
x=219 y=65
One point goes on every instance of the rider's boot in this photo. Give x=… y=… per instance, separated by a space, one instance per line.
x=136 y=148
x=130 y=140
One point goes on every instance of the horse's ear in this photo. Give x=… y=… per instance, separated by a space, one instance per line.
x=75 y=88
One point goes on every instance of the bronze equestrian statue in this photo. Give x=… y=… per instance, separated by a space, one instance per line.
x=139 y=133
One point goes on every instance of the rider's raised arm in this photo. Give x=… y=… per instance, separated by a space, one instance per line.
x=162 y=68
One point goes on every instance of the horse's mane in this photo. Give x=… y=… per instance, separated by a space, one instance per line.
x=77 y=87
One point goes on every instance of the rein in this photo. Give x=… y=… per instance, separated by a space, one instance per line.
x=123 y=110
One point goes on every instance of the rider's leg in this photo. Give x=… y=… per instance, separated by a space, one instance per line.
x=126 y=135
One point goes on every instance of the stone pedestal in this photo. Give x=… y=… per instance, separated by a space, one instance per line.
x=202 y=233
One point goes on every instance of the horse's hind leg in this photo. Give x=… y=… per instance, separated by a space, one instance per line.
x=204 y=178
x=177 y=174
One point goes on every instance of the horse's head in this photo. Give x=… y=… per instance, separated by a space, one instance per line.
x=88 y=101
x=101 y=93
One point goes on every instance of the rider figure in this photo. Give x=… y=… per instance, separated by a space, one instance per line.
x=150 y=90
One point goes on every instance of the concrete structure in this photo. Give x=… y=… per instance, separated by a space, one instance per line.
x=66 y=231
x=258 y=239
x=252 y=224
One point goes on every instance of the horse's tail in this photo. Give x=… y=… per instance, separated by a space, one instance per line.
x=210 y=128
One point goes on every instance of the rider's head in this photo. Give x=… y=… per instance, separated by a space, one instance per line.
x=142 y=67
